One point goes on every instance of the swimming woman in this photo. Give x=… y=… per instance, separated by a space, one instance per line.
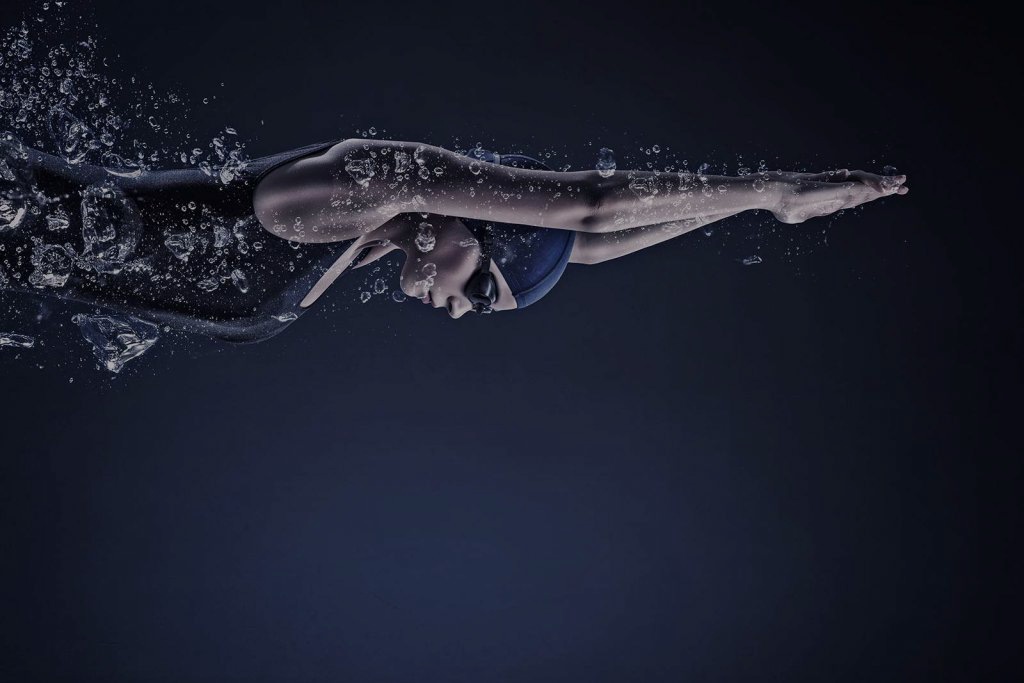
x=241 y=255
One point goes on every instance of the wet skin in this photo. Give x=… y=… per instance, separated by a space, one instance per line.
x=334 y=197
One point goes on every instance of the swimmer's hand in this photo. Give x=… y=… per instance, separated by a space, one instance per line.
x=801 y=196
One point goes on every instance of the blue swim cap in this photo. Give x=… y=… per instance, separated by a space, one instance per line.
x=531 y=259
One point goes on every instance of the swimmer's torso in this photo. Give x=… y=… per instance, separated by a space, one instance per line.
x=179 y=247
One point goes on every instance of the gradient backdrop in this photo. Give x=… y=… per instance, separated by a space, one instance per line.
x=673 y=468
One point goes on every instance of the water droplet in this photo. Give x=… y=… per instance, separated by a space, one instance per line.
x=53 y=263
x=181 y=244
x=361 y=170
x=239 y=279
x=12 y=213
x=20 y=341
x=74 y=139
x=425 y=239
x=115 y=341
x=605 y=163
x=221 y=236
x=403 y=162
x=643 y=188
x=116 y=165
x=111 y=227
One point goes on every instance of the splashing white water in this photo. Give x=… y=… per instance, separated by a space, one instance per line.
x=117 y=340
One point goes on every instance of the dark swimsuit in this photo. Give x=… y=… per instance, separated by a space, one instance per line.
x=177 y=247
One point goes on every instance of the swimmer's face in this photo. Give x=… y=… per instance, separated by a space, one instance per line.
x=438 y=277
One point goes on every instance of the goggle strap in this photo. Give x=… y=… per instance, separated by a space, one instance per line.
x=486 y=246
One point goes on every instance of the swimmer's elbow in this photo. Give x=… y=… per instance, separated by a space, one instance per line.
x=587 y=251
x=591 y=214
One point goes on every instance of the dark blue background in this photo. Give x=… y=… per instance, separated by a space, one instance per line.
x=672 y=468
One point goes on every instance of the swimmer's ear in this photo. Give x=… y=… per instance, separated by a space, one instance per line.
x=376 y=252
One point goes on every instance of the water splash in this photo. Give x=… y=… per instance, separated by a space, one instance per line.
x=117 y=340
x=12 y=213
x=425 y=238
x=53 y=264
x=240 y=280
x=20 y=341
x=74 y=139
x=605 y=163
x=644 y=188
x=15 y=183
x=111 y=228
x=181 y=244
x=403 y=163
x=361 y=170
x=57 y=220
x=889 y=182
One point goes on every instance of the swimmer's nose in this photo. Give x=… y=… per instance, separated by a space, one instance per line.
x=409 y=288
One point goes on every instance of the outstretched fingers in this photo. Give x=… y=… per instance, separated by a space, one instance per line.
x=885 y=184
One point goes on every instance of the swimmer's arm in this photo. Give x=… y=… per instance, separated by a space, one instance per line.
x=590 y=248
x=358 y=185
x=593 y=248
x=437 y=180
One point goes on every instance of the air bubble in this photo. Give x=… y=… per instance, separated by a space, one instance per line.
x=605 y=163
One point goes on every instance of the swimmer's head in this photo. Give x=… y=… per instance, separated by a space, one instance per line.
x=444 y=264
x=444 y=254
x=441 y=257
